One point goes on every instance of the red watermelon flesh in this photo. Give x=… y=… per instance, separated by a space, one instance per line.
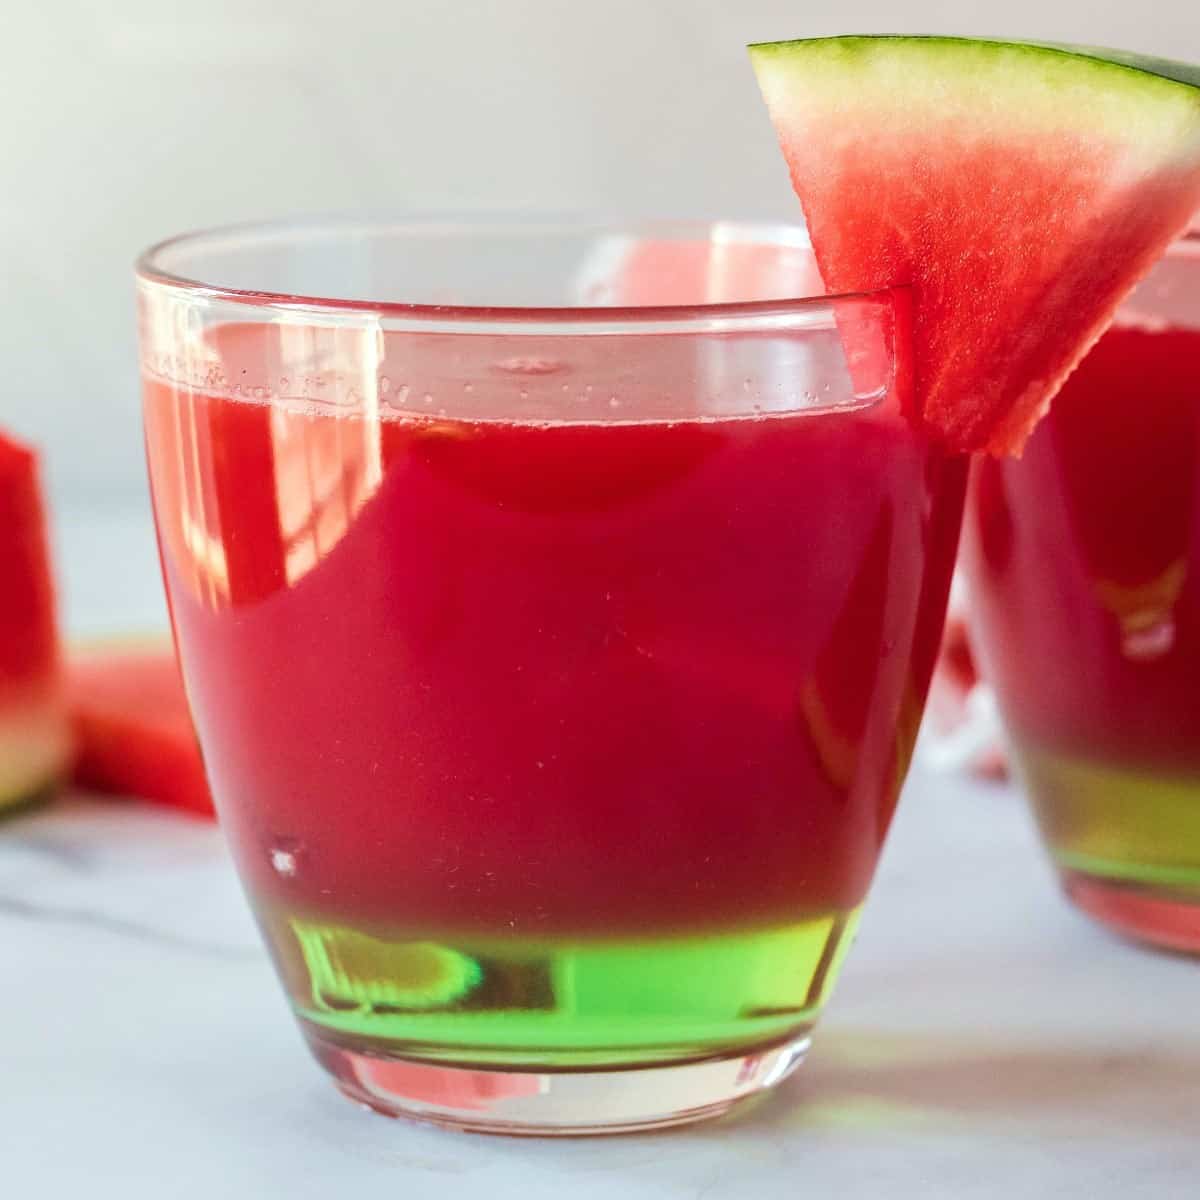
x=34 y=736
x=1021 y=191
x=132 y=727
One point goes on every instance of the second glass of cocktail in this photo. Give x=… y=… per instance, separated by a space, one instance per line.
x=1083 y=558
x=557 y=605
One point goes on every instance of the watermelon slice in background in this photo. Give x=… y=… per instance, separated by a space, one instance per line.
x=1021 y=191
x=132 y=726
x=35 y=743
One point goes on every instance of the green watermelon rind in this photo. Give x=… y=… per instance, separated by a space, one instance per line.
x=35 y=756
x=1152 y=102
x=1136 y=66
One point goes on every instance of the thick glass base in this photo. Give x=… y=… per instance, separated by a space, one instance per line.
x=1143 y=911
x=556 y=1103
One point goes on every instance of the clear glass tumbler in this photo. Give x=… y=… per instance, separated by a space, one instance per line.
x=1084 y=563
x=557 y=604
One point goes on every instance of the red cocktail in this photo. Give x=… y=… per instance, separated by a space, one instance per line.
x=556 y=671
x=1084 y=557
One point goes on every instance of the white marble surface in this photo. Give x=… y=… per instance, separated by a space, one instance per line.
x=985 y=1041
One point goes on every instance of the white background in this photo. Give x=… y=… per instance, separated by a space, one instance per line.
x=127 y=120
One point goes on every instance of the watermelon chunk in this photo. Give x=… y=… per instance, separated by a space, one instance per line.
x=1021 y=191
x=35 y=744
x=132 y=726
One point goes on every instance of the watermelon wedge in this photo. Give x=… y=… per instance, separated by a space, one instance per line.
x=1020 y=190
x=132 y=726
x=35 y=744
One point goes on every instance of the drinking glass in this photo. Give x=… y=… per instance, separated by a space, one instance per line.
x=557 y=603
x=1084 y=563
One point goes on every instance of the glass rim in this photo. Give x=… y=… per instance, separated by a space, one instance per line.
x=816 y=311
